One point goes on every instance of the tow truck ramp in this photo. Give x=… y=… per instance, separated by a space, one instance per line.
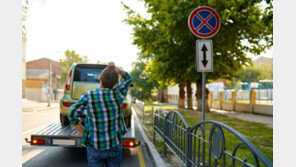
x=55 y=134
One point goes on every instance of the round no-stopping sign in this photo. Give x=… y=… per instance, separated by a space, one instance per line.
x=204 y=22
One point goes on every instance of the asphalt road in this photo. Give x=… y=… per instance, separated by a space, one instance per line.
x=32 y=156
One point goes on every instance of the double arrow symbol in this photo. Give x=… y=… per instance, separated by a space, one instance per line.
x=204 y=49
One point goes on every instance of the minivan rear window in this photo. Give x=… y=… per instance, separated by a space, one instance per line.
x=87 y=74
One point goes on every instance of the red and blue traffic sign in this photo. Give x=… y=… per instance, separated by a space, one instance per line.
x=204 y=22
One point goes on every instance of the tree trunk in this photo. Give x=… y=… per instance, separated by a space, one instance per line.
x=189 y=95
x=198 y=96
x=149 y=96
x=181 y=103
x=207 y=100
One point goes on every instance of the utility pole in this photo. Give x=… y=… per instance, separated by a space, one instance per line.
x=49 y=83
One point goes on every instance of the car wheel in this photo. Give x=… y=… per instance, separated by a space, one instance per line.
x=64 y=120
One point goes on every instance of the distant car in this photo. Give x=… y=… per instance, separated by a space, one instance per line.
x=82 y=78
x=244 y=86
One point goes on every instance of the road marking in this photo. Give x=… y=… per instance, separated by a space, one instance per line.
x=140 y=156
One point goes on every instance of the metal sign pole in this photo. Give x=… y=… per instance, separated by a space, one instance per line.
x=204 y=50
x=203 y=114
x=203 y=96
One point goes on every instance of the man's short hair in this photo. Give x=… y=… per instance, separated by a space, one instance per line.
x=109 y=77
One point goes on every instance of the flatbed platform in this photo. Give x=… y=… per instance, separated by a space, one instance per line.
x=67 y=136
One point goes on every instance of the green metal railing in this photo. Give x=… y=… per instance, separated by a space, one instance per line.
x=204 y=143
x=140 y=109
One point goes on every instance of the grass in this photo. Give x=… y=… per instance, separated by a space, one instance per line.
x=259 y=134
x=215 y=101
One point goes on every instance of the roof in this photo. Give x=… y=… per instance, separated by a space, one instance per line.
x=43 y=59
x=263 y=59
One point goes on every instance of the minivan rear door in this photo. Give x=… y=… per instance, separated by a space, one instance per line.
x=85 y=78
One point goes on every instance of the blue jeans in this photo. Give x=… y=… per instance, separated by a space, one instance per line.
x=108 y=158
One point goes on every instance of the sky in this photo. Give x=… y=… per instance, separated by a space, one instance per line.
x=93 y=28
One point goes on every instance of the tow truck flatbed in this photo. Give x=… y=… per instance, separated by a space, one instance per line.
x=55 y=134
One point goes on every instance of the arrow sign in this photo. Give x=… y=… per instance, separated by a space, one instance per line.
x=204 y=55
x=204 y=50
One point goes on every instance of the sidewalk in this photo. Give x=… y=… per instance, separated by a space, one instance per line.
x=33 y=106
x=267 y=120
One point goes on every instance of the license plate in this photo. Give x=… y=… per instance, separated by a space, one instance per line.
x=63 y=142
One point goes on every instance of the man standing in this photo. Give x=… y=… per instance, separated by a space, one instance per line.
x=104 y=124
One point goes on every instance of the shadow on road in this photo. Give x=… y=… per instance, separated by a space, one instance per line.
x=59 y=157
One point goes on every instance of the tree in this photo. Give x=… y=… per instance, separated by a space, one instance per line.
x=25 y=9
x=101 y=62
x=249 y=74
x=181 y=103
x=143 y=85
x=25 y=4
x=189 y=95
x=265 y=69
x=71 y=58
x=260 y=71
x=165 y=40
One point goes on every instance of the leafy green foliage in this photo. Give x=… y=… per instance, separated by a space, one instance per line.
x=260 y=71
x=143 y=86
x=266 y=70
x=71 y=58
x=101 y=62
x=25 y=9
x=165 y=40
x=249 y=75
x=25 y=4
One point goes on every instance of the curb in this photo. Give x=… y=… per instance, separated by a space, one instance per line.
x=152 y=152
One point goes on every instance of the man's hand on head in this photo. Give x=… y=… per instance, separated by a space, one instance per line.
x=111 y=65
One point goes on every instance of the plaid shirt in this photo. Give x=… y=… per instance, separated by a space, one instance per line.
x=104 y=125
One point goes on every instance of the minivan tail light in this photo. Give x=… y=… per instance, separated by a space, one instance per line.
x=66 y=104
x=124 y=105
x=67 y=86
